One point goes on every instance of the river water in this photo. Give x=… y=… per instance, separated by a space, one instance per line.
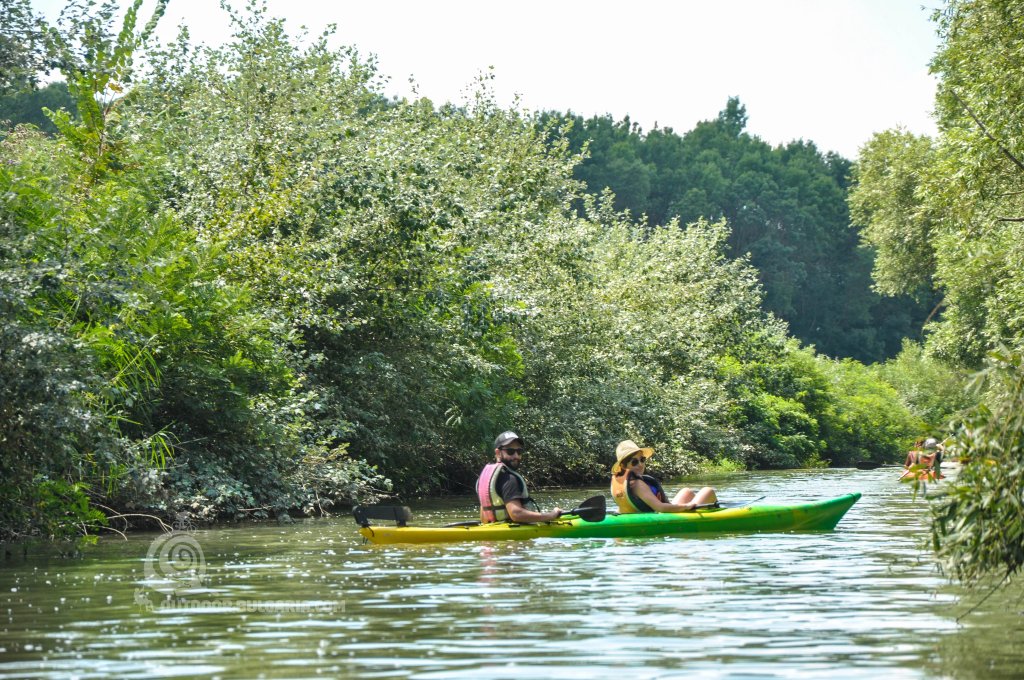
x=311 y=600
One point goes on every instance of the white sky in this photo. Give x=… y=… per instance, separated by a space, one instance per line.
x=830 y=71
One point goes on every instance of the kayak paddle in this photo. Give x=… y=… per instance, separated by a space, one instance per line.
x=593 y=509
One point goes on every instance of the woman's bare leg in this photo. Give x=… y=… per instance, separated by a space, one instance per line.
x=705 y=496
x=684 y=496
x=702 y=497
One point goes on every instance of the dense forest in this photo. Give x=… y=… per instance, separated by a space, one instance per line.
x=237 y=280
x=787 y=212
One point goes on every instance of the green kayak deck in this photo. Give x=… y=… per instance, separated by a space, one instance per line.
x=818 y=515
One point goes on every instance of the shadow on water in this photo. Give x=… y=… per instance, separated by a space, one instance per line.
x=311 y=600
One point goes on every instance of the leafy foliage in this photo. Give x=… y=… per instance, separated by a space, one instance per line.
x=949 y=213
x=786 y=207
x=868 y=418
x=23 y=46
x=978 y=527
x=934 y=392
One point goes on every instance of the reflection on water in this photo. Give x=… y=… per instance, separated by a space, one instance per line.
x=310 y=600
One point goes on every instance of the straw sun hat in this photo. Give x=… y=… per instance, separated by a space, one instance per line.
x=626 y=449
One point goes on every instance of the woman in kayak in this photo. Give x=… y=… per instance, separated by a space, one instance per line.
x=636 y=491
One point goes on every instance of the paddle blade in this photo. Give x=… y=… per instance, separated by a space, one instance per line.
x=399 y=514
x=593 y=509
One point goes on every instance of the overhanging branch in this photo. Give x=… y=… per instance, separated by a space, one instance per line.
x=1016 y=161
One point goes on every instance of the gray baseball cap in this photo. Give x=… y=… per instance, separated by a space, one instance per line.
x=506 y=438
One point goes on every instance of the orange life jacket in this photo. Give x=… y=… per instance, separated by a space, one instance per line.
x=628 y=501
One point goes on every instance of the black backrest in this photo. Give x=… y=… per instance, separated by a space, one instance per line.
x=399 y=514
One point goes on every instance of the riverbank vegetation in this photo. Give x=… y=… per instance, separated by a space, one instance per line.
x=948 y=214
x=238 y=281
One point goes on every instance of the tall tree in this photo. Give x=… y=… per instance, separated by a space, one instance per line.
x=786 y=207
x=949 y=213
x=23 y=46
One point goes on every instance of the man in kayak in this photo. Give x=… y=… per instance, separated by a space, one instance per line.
x=635 y=491
x=502 y=490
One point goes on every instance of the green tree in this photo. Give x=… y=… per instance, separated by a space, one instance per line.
x=891 y=170
x=28 y=107
x=23 y=46
x=154 y=356
x=786 y=207
x=949 y=212
x=946 y=213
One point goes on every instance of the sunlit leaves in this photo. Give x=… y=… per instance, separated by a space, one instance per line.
x=978 y=527
x=886 y=199
x=948 y=211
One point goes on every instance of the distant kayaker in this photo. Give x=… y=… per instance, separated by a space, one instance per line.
x=636 y=491
x=502 y=490
x=926 y=455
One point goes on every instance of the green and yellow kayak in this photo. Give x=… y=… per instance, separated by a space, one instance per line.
x=818 y=515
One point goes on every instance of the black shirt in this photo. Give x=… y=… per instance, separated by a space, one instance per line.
x=509 y=487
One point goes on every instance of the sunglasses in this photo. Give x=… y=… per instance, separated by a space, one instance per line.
x=512 y=452
x=636 y=461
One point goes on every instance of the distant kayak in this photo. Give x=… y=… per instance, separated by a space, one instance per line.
x=923 y=474
x=818 y=515
x=946 y=468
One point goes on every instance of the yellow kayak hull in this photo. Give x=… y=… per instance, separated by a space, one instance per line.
x=819 y=515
